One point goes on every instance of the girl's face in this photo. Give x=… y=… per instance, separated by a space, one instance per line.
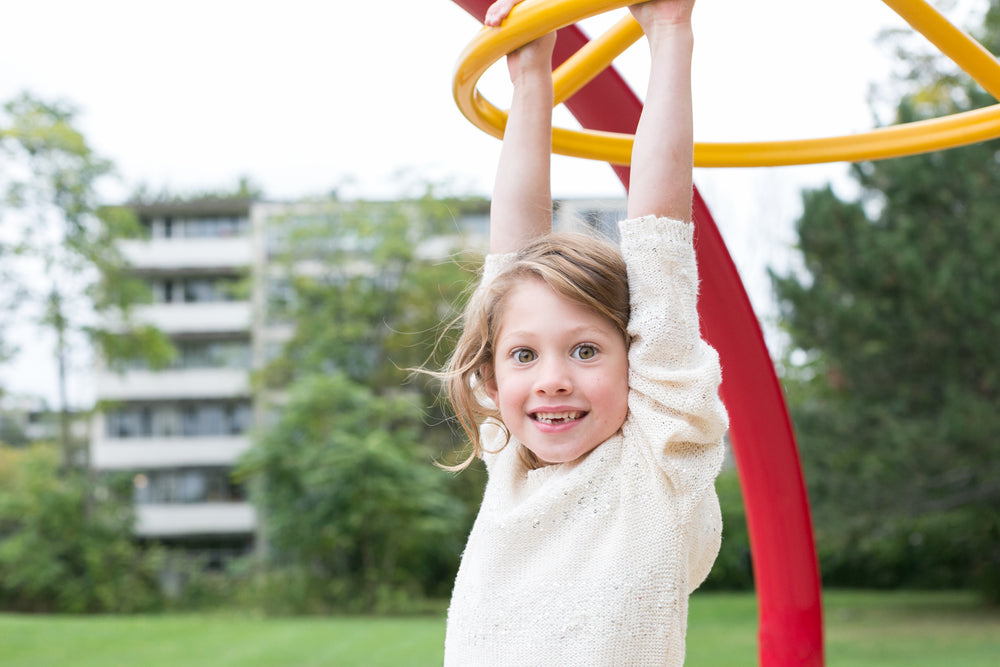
x=560 y=374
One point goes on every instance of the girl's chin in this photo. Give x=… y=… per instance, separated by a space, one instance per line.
x=564 y=454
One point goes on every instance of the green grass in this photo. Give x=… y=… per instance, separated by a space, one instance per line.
x=862 y=628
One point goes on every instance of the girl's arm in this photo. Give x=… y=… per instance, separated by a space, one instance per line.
x=663 y=151
x=674 y=376
x=521 y=209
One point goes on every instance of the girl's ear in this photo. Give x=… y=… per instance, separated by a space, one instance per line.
x=490 y=383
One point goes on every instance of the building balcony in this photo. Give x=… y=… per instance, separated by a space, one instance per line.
x=215 y=317
x=181 y=384
x=194 y=519
x=166 y=452
x=181 y=255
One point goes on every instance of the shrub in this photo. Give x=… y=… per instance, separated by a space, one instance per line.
x=66 y=545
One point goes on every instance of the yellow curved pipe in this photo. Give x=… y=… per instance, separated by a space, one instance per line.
x=593 y=58
x=966 y=52
x=531 y=20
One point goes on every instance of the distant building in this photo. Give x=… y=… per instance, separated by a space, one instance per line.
x=27 y=420
x=590 y=215
x=178 y=431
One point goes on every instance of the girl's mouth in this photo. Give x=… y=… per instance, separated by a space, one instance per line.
x=553 y=418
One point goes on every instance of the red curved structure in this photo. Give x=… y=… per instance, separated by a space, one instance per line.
x=786 y=570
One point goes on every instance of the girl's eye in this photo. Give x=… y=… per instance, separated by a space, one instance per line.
x=585 y=352
x=524 y=355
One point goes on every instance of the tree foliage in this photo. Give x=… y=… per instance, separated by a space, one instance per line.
x=896 y=316
x=61 y=265
x=365 y=279
x=351 y=502
x=62 y=549
x=344 y=475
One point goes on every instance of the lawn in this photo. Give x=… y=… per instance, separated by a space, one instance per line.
x=862 y=628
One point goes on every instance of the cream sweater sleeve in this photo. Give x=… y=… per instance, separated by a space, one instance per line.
x=674 y=375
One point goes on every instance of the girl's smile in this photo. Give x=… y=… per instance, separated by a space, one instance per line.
x=560 y=373
x=558 y=418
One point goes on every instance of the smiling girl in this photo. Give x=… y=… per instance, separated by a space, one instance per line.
x=582 y=381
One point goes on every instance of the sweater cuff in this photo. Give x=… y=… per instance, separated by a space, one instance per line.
x=494 y=264
x=637 y=231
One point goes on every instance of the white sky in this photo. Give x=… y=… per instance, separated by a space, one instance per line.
x=304 y=95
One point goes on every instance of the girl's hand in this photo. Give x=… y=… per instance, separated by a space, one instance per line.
x=498 y=11
x=655 y=13
x=532 y=58
x=646 y=13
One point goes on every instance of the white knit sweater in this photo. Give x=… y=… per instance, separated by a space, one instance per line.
x=591 y=562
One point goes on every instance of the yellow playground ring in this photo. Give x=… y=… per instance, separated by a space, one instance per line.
x=533 y=19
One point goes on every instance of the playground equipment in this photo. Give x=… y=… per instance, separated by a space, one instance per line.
x=784 y=556
x=535 y=20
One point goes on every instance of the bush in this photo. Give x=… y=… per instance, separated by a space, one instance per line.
x=66 y=545
x=951 y=550
x=356 y=517
x=733 y=569
x=940 y=551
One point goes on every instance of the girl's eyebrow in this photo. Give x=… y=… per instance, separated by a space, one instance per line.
x=583 y=330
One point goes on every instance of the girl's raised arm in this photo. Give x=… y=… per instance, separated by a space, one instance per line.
x=521 y=209
x=663 y=152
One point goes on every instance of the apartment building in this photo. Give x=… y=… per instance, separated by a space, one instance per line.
x=179 y=430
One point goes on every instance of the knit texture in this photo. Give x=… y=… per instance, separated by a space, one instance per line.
x=591 y=562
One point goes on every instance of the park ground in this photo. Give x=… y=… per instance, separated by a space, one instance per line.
x=861 y=629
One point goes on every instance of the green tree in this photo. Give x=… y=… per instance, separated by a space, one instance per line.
x=377 y=285
x=8 y=300
x=366 y=287
x=894 y=370
x=62 y=269
x=64 y=549
x=351 y=501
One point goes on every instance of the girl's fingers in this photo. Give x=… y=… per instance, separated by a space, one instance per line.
x=498 y=11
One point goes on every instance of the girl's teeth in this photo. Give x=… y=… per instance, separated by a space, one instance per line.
x=556 y=417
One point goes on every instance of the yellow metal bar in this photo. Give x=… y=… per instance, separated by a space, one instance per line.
x=527 y=21
x=593 y=58
x=535 y=18
x=907 y=139
x=966 y=52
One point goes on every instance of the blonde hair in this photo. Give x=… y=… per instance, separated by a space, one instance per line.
x=585 y=269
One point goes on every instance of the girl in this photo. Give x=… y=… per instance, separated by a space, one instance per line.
x=583 y=382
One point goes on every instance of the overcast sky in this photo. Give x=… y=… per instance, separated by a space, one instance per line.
x=303 y=96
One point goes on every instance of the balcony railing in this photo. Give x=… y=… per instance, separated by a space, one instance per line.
x=207 y=318
x=188 y=254
x=173 y=384
x=195 y=519
x=166 y=452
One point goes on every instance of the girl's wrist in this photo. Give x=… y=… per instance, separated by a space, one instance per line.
x=664 y=30
x=532 y=79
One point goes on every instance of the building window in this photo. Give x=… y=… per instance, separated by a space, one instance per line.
x=181 y=486
x=203 y=289
x=198 y=228
x=216 y=227
x=205 y=353
x=213 y=354
x=124 y=424
x=187 y=419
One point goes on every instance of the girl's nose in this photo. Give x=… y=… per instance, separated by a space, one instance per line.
x=553 y=378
